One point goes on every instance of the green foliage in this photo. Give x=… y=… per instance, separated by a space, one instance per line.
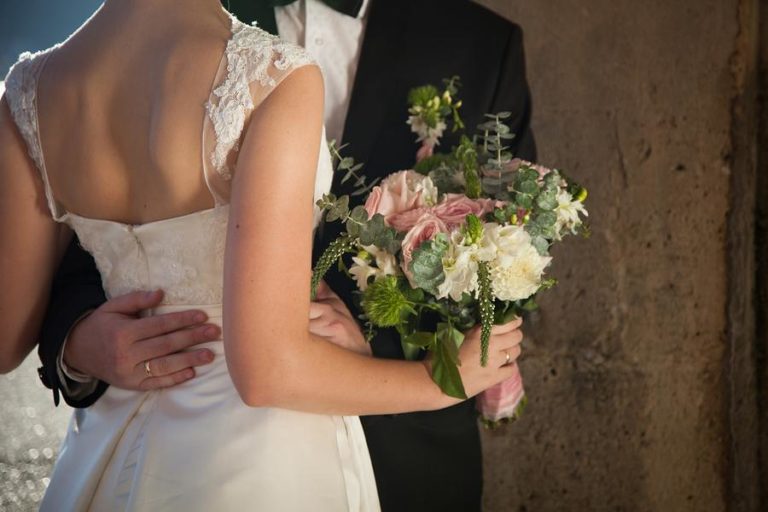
x=334 y=252
x=384 y=303
x=445 y=360
x=486 y=305
x=376 y=232
x=429 y=164
x=473 y=229
x=350 y=169
x=466 y=154
x=421 y=96
x=427 y=264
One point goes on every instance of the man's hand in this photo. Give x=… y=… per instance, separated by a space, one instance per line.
x=329 y=318
x=113 y=343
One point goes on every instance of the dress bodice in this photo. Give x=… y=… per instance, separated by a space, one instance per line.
x=182 y=255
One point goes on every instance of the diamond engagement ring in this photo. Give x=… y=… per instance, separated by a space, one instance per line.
x=148 y=370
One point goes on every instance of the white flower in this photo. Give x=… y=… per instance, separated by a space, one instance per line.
x=362 y=270
x=424 y=131
x=460 y=269
x=568 y=210
x=503 y=242
x=516 y=266
x=386 y=263
x=428 y=191
x=518 y=276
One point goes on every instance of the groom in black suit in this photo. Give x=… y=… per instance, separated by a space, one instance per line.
x=426 y=460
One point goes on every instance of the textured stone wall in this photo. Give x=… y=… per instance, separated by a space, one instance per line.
x=630 y=363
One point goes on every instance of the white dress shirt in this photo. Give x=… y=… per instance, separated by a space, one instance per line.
x=334 y=40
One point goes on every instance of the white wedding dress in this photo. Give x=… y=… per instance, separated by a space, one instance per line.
x=196 y=446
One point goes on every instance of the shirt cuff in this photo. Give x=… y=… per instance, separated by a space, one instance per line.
x=75 y=384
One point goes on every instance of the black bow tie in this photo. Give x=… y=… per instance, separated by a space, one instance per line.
x=348 y=7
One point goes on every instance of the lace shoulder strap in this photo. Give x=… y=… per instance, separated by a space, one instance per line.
x=254 y=64
x=21 y=95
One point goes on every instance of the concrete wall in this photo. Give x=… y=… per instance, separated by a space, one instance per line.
x=639 y=366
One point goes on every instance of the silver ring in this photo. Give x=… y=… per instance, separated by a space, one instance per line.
x=148 y=370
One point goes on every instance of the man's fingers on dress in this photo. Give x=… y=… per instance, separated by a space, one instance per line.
x=324 y=327
x=166 y=381
x=176 y=341
x=320 y=309
x=132 y=303
x=157 y=325
x=323 y=290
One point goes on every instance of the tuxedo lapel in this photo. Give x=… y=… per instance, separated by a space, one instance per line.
x=383 y=46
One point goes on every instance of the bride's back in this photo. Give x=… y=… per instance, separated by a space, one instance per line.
x=121 y=110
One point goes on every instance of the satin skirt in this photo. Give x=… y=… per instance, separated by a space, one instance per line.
x=198 y=447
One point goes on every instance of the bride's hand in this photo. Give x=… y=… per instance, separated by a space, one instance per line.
x=503 y=350
x=329 y=318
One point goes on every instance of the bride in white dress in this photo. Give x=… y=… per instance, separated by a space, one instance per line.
x=201 y=140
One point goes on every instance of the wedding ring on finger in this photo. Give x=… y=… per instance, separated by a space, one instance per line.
x=148 y=370
x=507 y=359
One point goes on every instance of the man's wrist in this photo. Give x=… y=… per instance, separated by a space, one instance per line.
x=73 y=382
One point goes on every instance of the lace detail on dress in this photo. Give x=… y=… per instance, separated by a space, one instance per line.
x=20 y=87
x=250 y=54
x=183 y=256
x=21 y=95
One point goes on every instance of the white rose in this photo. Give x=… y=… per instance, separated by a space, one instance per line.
x=518 y=275
x=504 y=241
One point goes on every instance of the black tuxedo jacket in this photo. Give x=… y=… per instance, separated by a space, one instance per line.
x=426 y=460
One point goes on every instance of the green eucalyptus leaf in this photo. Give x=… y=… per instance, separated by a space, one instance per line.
x=541 y=245
x=427 y=265
x=547 y=219
x=547 y=200
x=529 y=187
x=359 y=214
x=524 y=200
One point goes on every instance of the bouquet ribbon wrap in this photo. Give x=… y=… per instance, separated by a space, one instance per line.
x=504 y=401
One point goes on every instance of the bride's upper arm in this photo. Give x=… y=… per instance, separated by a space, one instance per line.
x=30 y=245
x=269 y=238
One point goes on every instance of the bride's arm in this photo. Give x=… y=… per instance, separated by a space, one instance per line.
x=30 y=246
x=272 y=357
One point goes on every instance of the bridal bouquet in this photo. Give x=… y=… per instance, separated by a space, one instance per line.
x=462 y=238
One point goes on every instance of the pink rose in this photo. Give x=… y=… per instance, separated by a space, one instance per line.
x=397 y=193
x=427 y=227
x=502 y=400
x=453 y=210
x=404 y=221
x=372 y=203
